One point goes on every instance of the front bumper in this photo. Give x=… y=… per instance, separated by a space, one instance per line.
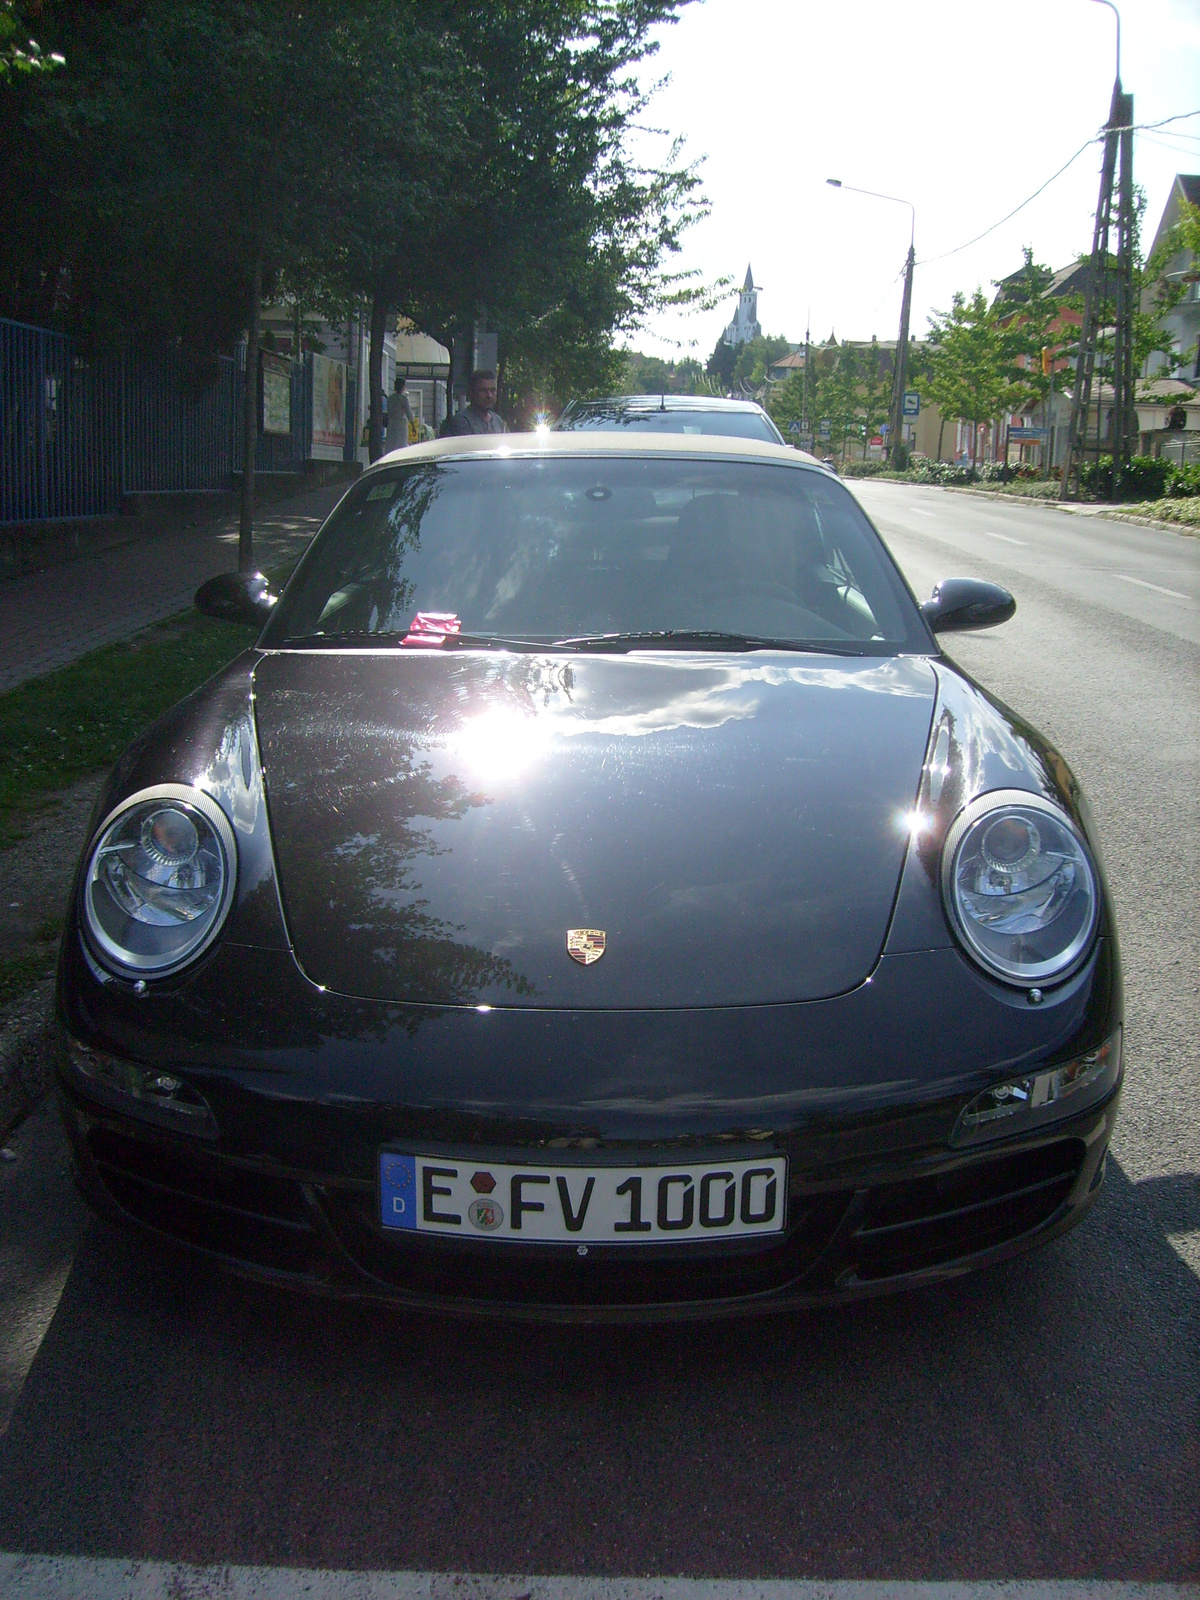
x=909 y=1223
x=861 y=1093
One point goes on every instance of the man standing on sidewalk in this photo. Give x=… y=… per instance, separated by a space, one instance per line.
x=480 y=416
x=400 y=417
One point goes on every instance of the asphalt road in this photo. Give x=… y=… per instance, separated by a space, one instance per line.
x=1040 y=1421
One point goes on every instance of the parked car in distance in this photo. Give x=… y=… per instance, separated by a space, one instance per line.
x=670 y=413
x=594 y=896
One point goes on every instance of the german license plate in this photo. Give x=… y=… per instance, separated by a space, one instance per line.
x=582 y=1205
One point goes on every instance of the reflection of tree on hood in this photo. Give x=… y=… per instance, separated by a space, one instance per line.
x=365 y=925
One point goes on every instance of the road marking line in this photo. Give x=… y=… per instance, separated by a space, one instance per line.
x=988 y=535
x=69 y=1577
x=1157 y=587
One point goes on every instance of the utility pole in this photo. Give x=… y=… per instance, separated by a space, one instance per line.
x=1116 y=196
x=897 y=418
x=804 y=403
x=1124 y=410
x=250 y=423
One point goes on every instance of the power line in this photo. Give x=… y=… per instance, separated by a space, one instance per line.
x=1140 y=127
x=958 y=249
x=1133 y=127
x=1174 y=149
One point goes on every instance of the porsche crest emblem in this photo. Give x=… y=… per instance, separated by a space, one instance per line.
x=585 y=945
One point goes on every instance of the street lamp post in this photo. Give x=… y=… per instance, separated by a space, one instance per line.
x=896 y=422
x=1117 y=14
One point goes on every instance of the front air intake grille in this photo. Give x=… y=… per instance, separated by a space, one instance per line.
x=230 y=1210
x=930 y=1222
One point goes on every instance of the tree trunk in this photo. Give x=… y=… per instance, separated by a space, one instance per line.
x=941 y=431
x=250 y=426
x=379 y=316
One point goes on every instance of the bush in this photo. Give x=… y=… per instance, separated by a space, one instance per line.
x=864 y=469
x=1145 y=478
x=1184 y=481
x=943 y=472
x=1095 y=479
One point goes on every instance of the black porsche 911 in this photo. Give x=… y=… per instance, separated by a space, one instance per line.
x=594 y=896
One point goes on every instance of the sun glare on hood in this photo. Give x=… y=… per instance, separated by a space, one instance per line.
x=500 y=743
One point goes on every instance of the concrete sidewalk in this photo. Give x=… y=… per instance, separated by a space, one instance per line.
x=50 y=618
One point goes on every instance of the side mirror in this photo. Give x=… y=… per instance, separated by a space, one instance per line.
x=958 y=605
x=236 y=597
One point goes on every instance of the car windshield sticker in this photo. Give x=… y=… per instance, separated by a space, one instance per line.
x=383 y=491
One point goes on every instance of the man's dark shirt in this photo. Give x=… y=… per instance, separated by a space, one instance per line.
x=469 y=420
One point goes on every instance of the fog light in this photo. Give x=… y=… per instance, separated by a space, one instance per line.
x=1018 y=1104
x=145 y=1092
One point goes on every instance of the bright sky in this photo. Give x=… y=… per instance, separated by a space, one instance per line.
x=962 y=107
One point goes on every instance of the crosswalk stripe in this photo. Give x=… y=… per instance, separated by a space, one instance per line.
x=41 y=1577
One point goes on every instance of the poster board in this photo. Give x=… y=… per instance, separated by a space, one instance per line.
x=328 y=409
x=276 y=394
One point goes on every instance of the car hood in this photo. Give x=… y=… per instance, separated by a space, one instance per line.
x=734 y=825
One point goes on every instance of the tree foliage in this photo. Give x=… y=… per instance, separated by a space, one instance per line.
x=1030 y=321
x=736 y=367
x=652 y=375
x=446 y=159
x=1170 y=275
x=970 y=369
x=849 y=387
x=21 y=55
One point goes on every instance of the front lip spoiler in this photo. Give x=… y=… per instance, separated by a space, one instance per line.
x=338 y=1276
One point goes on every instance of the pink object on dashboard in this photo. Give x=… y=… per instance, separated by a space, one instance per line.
x=429 y=628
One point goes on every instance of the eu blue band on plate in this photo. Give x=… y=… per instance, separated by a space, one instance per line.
x=398 y=1191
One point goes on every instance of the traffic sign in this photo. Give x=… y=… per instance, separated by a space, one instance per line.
x=825 y=428
x=911 y=403
x=805 y=441
x=793 y=426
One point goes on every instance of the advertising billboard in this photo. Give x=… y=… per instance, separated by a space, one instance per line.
x=328 y=409
x=276 y=394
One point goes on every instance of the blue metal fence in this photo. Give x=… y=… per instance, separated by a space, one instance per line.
x=173 y=440
x=60 y=428
x=76 y=435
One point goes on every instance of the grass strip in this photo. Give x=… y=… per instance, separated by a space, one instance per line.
x=57 y=729
x=1186 y=511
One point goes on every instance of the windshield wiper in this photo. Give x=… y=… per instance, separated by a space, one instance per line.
x=360 y=638
x=698 y=638
x=615 y=643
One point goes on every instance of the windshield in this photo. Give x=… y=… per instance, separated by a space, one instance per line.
x=533 y=551
x=650 y=419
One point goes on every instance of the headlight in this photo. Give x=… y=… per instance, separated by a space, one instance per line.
x=159 y=880
x=1019 y=886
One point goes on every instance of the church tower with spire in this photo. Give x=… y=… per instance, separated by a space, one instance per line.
x=745 y=325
